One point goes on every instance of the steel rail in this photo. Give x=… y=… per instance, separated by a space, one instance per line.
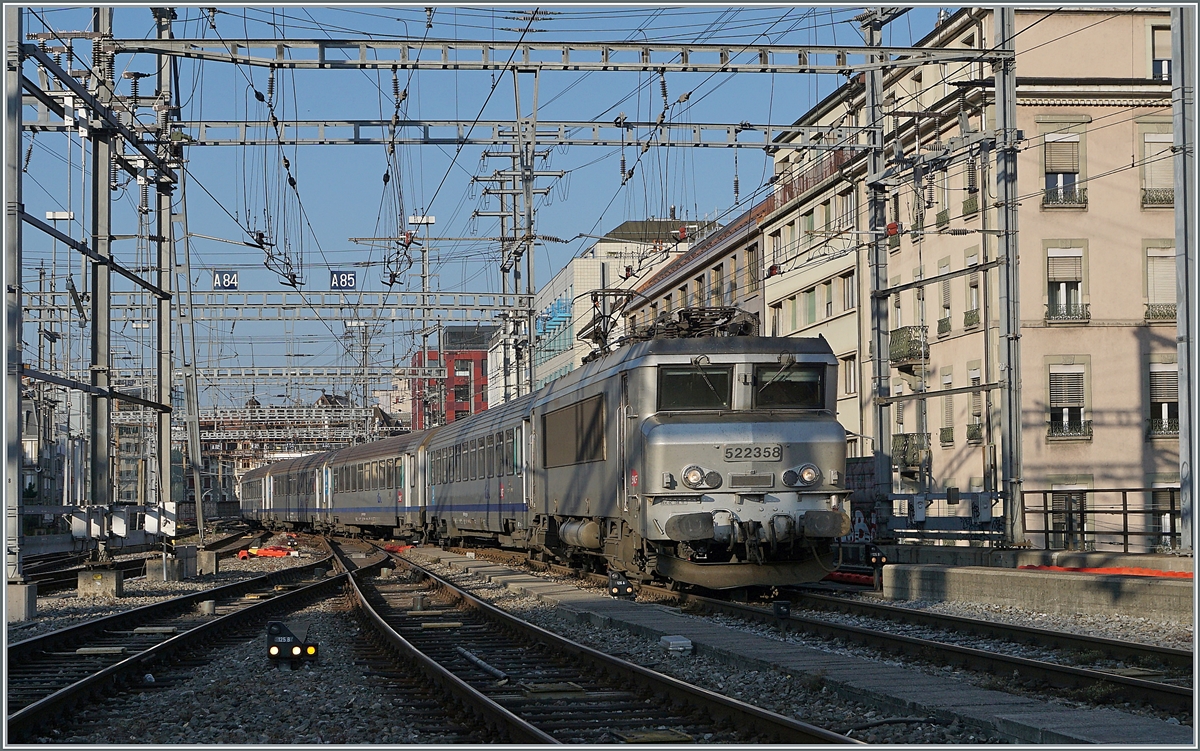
x=1180 y=658
x=516 y=729
x=779 y=728
x=28 y=718
x=52 y=581
x=1134 y=690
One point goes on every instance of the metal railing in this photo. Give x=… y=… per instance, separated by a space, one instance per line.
x=1169 y=426
x=943 y=218
x=908 y=448
x=974 y=432
x=1158 y=196
x=1065 y=197
x=908 y=343
x=946 y=436
x=943 y=326
x=970 y=205
x=1069 y=312
x=917 y=228
x=970 y=318
x=1160 y=311
x=1080 y=429
x=1082 y=522
x=894 y=241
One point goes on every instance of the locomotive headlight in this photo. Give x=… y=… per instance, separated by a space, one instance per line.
x=712 y=480
x=809 y=474
x=693 y=476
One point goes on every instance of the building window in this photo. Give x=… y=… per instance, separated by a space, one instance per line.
x=698 y=290
x=947 y=434
x=462 y=368
x=776 y=248
x=733 y=279
x=849 y=375
x=827 y=294
x=1158 y=170
x=849 y=292
x=776 y=319
x=1068 y=516
x=975 y=424
x=792 y=313
x=808 y=225
x=944 y=319
x=683 y=297
x=1164 y=503
x=1164 y=399
x=667 y=304
x=462 y=393
x=1061 y=153
x=1065 y=284
x=1160 y=66
x=753 y=268
x=971 y=317
x=810 y=306
x=1160 y=284
x=896 y=311
x=718 y=285
x=1067 y=406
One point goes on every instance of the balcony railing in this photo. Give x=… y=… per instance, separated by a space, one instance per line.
x=946 y=436
x=944 y=326
x=1082 y=429
x=970 y=318
x=1160 y=311
x=1158 y=196
x=1065 y=197
x=908 y=343
x=1170 y=426
x=1069 y=312
x=894 y=242
x=971 y=205
x=908 y=448
x=918 y=227
x=975 y=432
x=943 y=218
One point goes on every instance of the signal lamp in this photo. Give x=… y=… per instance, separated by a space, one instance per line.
x=274 y=650
x=296 y=651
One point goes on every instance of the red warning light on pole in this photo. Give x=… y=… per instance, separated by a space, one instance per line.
x=893 y=229
x=682 y=233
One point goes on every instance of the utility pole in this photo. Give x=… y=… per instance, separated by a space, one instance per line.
x=14 y=490
x=1183 y=115
x=101 y=210
x=1009 y=277
x=877 y=223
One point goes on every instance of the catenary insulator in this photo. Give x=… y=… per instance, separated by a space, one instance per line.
x=133 y=90
x=144 y=204
x=395 y=87
x=112 y=175
x=972 y=180
x=930 y=198
x=662 y=80
x=622 y=164
x=271 y=85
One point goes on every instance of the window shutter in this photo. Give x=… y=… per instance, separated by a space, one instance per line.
x=1062 y=156
x=1162 y=42
x=1066 y=390
x=1160 y=166
x=976 y=398
x=1160 y=279
x=1164 y=386
x=1066 y=268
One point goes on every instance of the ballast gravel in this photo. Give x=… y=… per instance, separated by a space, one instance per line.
x=62 y=609
x=802 y=697
x=241 y=698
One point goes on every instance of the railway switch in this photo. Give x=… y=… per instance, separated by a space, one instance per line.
x=619 y=586
x=290 y=642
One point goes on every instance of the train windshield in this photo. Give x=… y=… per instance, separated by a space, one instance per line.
x=685 y=387
x=789 y=387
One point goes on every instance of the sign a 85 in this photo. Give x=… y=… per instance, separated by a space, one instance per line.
x=225 y=281
x=343 y=280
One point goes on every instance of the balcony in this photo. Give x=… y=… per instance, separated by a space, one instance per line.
x=975 y=432
x=918 y=228
x=893 y=242
x=1160 y=311
x=943 y=219
x=908 y=343
x=1068 y=313
x=1168 y=427
x=1070 y=430
x=1158 y=197
x=946 y=436
x=971 y=205
x=908 y=448
x=944 y=326
x=971 y=318
x=1065 y=198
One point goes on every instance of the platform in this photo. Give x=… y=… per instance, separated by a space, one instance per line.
x=1059 y=592
x=956 y=555
x=889 y=688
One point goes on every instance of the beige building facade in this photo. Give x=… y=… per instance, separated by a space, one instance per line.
x=1097 y=275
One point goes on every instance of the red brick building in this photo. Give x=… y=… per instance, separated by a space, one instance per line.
x=464 y=392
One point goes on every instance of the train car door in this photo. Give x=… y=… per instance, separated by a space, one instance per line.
x=268 y=504
x=627 y=477
x=418 y=486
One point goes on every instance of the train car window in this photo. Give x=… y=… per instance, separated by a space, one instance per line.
x=687 y=387
x=575 y=434
x=358 y=477
x=795 y=387
x=519 y=453
x=471 y=455
x=487 y=455
x=498 y=443
x=509 y=462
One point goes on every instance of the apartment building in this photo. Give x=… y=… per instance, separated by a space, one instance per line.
x=1097 y=270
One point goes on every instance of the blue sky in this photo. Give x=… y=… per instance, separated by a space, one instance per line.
x=341 y=191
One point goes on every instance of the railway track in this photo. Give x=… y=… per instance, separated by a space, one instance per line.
x=68 y=578
x=547 y=689
x=49 y=675
x=1095 y=684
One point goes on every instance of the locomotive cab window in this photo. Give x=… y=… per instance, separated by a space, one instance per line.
x=784 y=387
x=687 y=387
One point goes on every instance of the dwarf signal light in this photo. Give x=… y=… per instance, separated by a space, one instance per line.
x=290 y=641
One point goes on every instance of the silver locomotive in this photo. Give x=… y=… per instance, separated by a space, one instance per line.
x=714 y=461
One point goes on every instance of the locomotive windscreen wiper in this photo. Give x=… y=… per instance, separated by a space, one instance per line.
x=698 y=362
x=786 y=360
